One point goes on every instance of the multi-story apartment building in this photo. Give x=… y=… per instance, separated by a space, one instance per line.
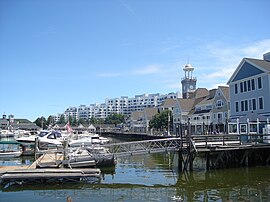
x=122 y=105
x=71 y=112
x=250 y=95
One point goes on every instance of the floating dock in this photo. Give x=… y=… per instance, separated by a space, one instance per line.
x=52 y=172
x=20 y=176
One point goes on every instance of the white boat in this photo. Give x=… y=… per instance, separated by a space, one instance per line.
x=6 y=134
x=90 y=157
x=88 y=140
x=79 y=158
x=9 y=149
x=45 y=138
x=10 y=154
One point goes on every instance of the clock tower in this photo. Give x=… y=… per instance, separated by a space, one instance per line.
x=188 y=82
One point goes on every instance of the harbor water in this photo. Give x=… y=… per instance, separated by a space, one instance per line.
x=151 y=177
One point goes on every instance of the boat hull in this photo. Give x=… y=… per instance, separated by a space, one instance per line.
x=10 y=154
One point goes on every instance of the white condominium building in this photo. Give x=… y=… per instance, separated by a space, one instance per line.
x=122 y=105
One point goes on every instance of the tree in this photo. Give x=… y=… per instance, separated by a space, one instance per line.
x=50 y=121
x=115 y=118
x=62 y=119
x=41 y=122
x=93 y=120
x=161 y=120
x=82 y=121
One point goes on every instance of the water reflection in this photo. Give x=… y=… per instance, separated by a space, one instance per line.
x=249 y=184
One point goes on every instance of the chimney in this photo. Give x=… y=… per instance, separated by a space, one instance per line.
x=266 y=57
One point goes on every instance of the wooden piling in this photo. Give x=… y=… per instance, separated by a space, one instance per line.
x=180 y=161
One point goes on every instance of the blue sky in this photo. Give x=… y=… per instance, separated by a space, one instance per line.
x=55 y=54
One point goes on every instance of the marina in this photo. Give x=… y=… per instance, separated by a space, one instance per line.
x=152 y=177
x=65 y=164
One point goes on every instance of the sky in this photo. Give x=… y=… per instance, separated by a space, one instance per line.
x=60 y=53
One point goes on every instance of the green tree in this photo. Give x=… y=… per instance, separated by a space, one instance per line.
x=115 y=118
x=50 y=121
x=161 y=120
x=93 y=120
x=82 y=121
x=62 y=119
x=41 y=122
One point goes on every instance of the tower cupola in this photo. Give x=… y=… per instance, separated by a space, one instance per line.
x=188 y=82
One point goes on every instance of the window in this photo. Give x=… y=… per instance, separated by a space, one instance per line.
x=260 y=103
x=246 y=105
x=243 y=128
x=219 y=103
x=254 y=104
x=241 y=87
x=252 y=84
x=253 y=128
x=232 y=128
x=219 y=116
x=245 y=86
x=236 y=107
x=235 y=88
x=259 y=82
x=249 y=85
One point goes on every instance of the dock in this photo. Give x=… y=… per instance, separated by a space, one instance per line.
x=46 y=169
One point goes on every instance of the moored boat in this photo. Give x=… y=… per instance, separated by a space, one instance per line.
x=45 y=138
x=88 y=140
x=94 y=156
x=9 y=149
x=10 y=154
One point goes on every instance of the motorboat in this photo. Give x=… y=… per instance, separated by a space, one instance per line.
x=45 y=138
x=10 y=154
x=80 y=158
x=94 y=156
x=9 y=149
x=6 y=134
x=88 y=140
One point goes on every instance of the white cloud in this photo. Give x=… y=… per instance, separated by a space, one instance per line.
x=214 y=64
x=222 y=60
x=257 y=49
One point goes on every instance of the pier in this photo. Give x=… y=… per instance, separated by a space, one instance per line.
x=219 y=151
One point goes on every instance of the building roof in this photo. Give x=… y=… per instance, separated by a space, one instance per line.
x=209 y=99
x=226 y=91
x=168 y=103
x=261 y=63
x=150 y=112
x=249 y=67
x=186 y=104
x=199 y=92
x=136 y=115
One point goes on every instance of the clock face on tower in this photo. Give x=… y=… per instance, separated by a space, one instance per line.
x=191 y=87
